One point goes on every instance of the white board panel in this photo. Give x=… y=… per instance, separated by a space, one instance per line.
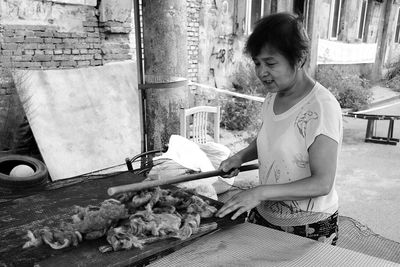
x=83 y=119
x=335 y=52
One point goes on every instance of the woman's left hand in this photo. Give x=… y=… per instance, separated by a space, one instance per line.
x=241 y=202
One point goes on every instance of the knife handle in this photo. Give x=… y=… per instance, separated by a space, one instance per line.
x=183 y=178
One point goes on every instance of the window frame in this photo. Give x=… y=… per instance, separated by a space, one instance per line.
x=361 y=24
x=397 y=30
x=248 y=15
x=306 y=14
x=331 y=18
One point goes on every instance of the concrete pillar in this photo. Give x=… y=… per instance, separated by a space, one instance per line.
x=165 y=56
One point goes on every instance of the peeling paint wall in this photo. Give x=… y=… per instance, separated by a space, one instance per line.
x=221 y=43
x=54 y=34
x=67 y=18
x=393 y=49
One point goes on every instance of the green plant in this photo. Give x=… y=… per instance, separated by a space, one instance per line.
x=350 y=90
x=392 y=77
x=239 y=113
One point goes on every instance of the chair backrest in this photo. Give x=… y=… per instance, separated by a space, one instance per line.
x=196 y=129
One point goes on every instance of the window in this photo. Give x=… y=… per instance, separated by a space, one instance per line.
x=363 y=15
x=302 y=9
x=397 y=37
x=256 y=9
x=336 y=6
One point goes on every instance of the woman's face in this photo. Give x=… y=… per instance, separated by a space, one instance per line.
x=274 y=70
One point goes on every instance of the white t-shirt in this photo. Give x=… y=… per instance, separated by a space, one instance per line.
x=282 y=146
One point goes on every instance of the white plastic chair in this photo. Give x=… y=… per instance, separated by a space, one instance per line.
x=194 y=122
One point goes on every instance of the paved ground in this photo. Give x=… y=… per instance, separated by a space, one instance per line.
x=368 y=181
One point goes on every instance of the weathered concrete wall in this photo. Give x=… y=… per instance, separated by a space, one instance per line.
x=393 y=48
x=349 y=26
x=372 y=22
x=221 y=43
x=322 y=12
x=52 y=34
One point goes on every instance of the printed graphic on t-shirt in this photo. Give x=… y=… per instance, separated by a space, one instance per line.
x=303 y=119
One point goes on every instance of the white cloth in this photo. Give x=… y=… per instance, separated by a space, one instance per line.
x=199 y=158
x=283 y=143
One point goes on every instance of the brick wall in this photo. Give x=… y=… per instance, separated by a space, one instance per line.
x=44 y=47
x=193 y=14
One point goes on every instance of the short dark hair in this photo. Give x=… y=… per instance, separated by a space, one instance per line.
x=282 y=31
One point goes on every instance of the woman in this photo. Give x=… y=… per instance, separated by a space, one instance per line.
x=299 y=141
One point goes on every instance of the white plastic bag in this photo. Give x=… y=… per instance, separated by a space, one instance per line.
x=193 y=156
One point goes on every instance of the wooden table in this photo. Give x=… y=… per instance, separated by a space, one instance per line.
x=389 y=112
x=253 y=245
x=50 y=205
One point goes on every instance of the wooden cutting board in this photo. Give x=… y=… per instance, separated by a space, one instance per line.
x=49 y=207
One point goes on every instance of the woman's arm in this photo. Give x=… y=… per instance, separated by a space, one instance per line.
x=322 y=160
x=249 y=153
x=231 y=164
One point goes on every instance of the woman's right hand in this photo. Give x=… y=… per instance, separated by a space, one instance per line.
x=230 y=166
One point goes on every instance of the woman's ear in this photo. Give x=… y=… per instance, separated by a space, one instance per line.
x=302 y=60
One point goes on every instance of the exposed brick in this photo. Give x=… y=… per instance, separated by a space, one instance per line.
x=97 y=45
x=68 y=63
x=53 y=40
x=41 y=57
x=5 y=58
x=22 y=58
x=67 y=51
x=96 y=62
x=61 y=35
x=98 y=56
x=9 y=46
x=46 y=46
x=61 y=58
x=79 y=34
x=44 y=34
x=90 y=23
x=83 y=51
x=75 y=51
x=51 y=64
x=82 y=46
x=17 y=52
x=64 y=46
x=28 y=52
x=48 y=52
x=84 y=63
x=29 y=64
x=79 y=57
x=58 y=52
x=18 y=39
x=8 y=33
x=16 y=27
x=69 y=41
x=39 y=52
x=33 y=40
x=29 y=46
x=38 y=27
x=92 y=34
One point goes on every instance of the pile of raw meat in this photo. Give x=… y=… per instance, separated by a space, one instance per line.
x=130 y=220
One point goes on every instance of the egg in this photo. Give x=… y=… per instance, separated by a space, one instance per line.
x=21 y=170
